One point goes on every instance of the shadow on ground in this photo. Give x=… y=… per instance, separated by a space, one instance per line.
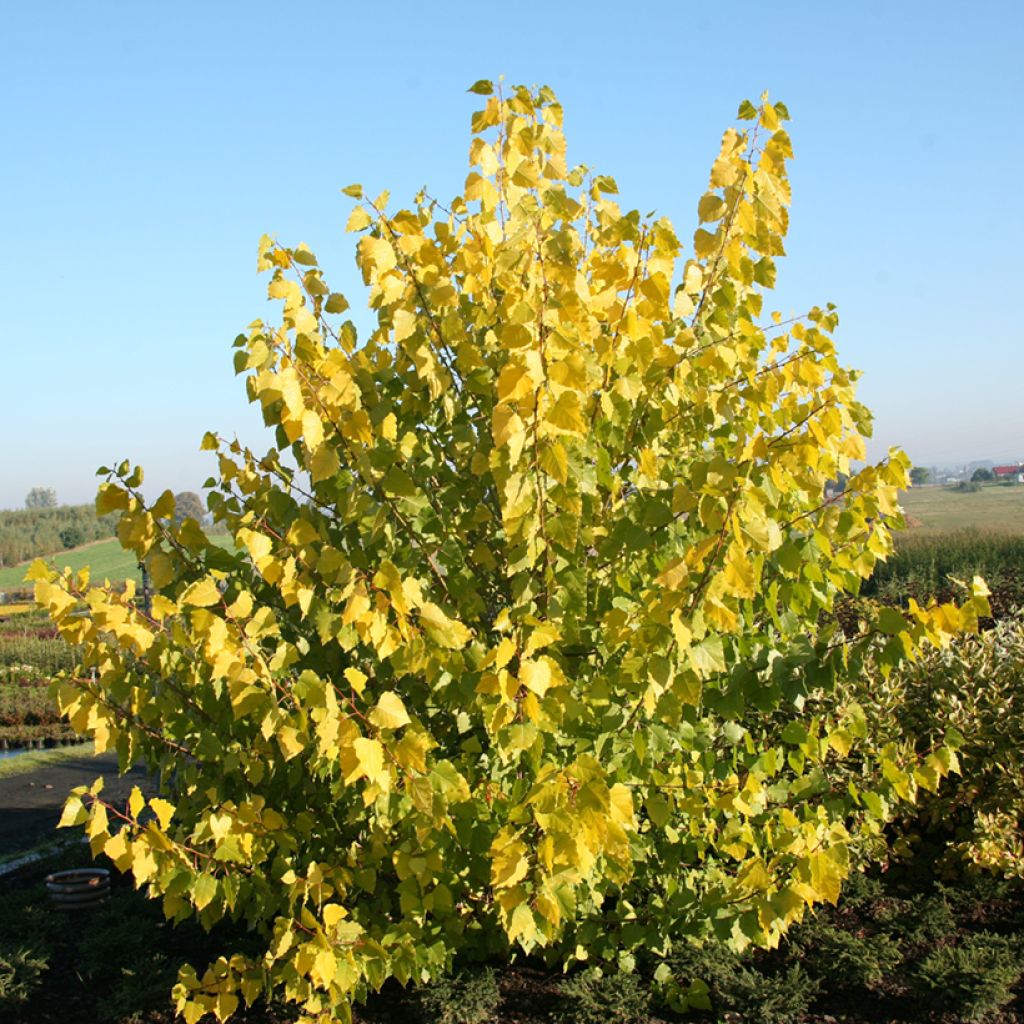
x=31 y=803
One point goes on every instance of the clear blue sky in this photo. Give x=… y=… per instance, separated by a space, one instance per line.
x=149 y=145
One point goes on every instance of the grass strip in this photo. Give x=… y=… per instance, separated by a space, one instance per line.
x=35 y=759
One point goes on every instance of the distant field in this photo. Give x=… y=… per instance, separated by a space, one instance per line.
x=106 y=560
x=940 y=509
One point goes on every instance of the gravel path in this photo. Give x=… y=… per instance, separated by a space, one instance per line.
x=31 y=803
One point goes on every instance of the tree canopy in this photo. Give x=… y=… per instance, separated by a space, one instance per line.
x=41 y=497
x=527 y=639
x=188 y=503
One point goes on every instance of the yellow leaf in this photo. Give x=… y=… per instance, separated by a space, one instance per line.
x=441 y=629
x=161 y=569
x=358 y=219
x=117 y=849
x=404 y=323
x=378 y=253
x=505 y=425
x=163 y=810
x=204 y=890
x=754 y=876
x=38 y=571
x=826 y=874
x=356 y=679
x=484 y=156
x=840 y=741
x=369 y=755
x=390 y=712
x=522 y=926
x=514 y=383
x=312 y=430
x=740 y=576
x=648 y=463
x=111 y=498
x=226 y=1004
x=704 y=243
x=290 y=742
x=193 y=1012
x=683 y=304
x=136 y=802
x=202 y=593
x=535 y=675
x=504 y=652
x=411 y=750
x=508 y=861
x=541 y=636
x=96 y=827
x=711 y=207
x=164 y=507
x=332 y=913
x=324 y=967
x=74 y=813
x=621 y=803
x=693 y=278
x=162 y=607
x=565 y=415
x=554 y=461
x=324 y=464
x=302 y=254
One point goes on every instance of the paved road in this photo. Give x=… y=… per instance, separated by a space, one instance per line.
x=31 y=803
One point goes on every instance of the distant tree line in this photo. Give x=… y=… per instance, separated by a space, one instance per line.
x=41 y=530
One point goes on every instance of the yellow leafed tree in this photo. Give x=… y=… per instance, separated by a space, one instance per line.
x=525 y=641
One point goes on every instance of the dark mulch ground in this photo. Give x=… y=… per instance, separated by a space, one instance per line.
x=31 y=803
x=117 y=964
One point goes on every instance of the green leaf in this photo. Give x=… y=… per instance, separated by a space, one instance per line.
x=397 y=482
x=747 y=111
x=795 y=733
x=708 y=657
x=890 y=621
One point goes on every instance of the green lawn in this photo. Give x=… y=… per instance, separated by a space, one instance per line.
x=939 y=509
x=33 y=760
x=106 y=560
